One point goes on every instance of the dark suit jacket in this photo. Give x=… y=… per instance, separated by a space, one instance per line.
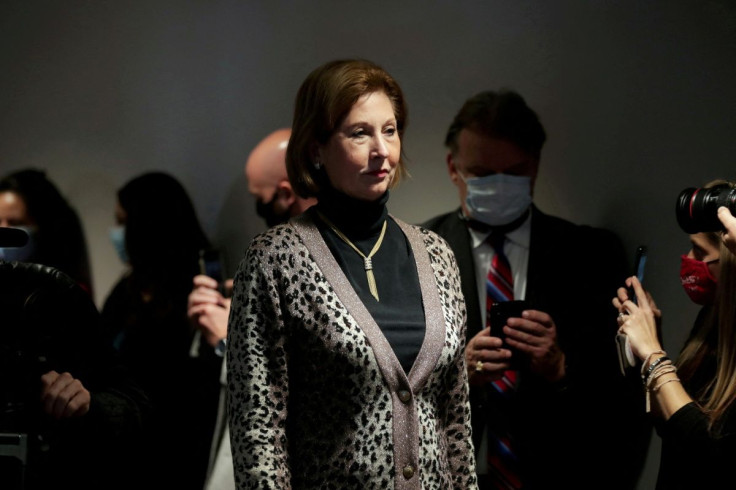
x=565 y=432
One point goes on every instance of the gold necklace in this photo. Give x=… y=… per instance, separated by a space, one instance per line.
x=367 y=263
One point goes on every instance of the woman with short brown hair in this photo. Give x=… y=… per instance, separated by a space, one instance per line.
x=347 y=329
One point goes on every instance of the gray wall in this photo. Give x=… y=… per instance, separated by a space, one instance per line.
x=637 y=98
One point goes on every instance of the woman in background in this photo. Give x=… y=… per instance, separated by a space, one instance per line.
x=347 y=326
x=694 y=397
x=29 y=200
x=145 y=315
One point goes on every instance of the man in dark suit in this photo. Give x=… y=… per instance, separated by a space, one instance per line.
x=572 y=419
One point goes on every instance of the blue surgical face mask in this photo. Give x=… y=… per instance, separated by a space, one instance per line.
x=24 y=253
x=497 y=199
x=117 y=237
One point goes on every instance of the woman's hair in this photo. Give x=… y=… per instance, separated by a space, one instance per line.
x=322 y=103
x=720 y=391
x=162 y=233
x=59 y=240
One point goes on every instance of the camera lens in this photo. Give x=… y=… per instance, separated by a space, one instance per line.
x=697 y=209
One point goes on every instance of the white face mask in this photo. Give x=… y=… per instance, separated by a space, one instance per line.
x=497 y=199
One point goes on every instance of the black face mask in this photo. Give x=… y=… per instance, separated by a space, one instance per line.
x=266 y=211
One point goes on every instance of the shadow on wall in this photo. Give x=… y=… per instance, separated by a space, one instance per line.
x=237 y=224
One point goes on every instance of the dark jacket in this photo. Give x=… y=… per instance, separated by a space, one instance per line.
x=565 y=431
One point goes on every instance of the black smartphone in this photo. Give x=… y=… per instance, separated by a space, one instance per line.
x=640 y=263
x=210 y=264
x=500 y=313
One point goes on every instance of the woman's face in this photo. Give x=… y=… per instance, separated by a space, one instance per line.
x=705 y=251
x=361 y=156
x=13 y=211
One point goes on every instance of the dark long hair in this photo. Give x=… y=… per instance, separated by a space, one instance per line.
x=60 y=241
x=162 y=233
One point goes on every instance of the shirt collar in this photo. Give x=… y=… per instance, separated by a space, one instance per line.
x=519 y=236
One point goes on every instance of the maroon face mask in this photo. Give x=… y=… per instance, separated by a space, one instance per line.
x=698 y=282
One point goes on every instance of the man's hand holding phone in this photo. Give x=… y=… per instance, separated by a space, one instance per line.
x=208 y=310
x=517 y=335
x=486 y=358
x=532 y=337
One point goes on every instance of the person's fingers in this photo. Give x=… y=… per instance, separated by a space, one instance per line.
x=70 y=399
x=53 y=385
x=48 y=379
x=518 y=338
x=622 y=294
x=78 y=403
x=480 y=341
x=616 y=303
x=201 y=280
x=198 y=310
x=538 y=316
x=203 y=296
x=727 y=219
x=641 y=295
x=49 y=389
x=486 y=343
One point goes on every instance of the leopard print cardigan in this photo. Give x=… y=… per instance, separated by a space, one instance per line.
x=317 y=398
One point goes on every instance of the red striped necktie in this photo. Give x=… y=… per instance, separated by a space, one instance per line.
x=503 y=464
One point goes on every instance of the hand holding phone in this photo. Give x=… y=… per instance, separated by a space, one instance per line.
x=626 y=358
x=210 y=264
x=639 y=265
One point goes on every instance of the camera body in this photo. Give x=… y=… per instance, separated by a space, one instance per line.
x=697 y=208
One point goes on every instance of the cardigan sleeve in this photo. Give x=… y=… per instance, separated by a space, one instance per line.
x=257 y=375
x=461 y=455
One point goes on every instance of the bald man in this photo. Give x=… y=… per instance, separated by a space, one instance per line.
x=265 y=170
x=208 y=310
x=276 y=202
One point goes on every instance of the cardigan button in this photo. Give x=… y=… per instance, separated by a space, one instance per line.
x=408 y=471
x=404 y=396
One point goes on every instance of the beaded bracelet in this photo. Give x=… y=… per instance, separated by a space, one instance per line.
x=655 y=363
x=646 y=360
x=662 y=370
x=660 y=367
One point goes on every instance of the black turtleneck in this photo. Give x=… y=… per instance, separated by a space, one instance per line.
x=399 y=313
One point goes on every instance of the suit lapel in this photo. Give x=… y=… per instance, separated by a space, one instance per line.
x=539 y=255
